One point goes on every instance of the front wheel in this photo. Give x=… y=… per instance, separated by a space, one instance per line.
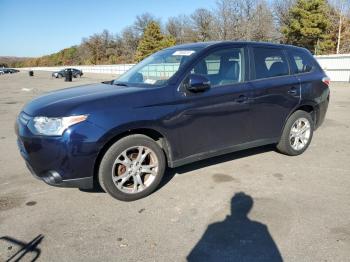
x=297 y=134
x=132 y=168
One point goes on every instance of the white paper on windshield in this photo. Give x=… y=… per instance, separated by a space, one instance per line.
x=150 y=81
x=183 y=52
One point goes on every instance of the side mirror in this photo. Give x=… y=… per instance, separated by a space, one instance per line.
x=197 y=83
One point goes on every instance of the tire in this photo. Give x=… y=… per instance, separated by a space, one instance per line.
x=294 y=141
x=59 y=76
x=113 y=167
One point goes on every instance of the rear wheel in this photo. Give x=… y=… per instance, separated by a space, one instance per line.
x=132 y=168
x=297 y=134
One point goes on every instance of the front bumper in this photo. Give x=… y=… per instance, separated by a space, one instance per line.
x=64 y=161
x=53 y=178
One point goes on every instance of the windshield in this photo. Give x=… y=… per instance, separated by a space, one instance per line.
x=157 y=69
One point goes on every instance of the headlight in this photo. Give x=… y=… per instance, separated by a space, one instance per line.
x=50 y=126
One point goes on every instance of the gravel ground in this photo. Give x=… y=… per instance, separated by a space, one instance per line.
x=251 y=205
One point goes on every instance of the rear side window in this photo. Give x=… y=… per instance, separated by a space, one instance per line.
x=301 y=62
x=269 y=62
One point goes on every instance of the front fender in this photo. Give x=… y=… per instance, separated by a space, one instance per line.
x=147 y=128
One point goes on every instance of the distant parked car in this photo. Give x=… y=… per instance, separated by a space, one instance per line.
x=8 y=71
x=12 y=71
x=62 y=73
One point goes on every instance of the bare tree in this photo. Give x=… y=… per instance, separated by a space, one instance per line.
x=245 y=19
x=130 y=40
x=263 y=26
x=281 y=11
x=181 y=29
x=226 y=19
x=202 y=20
x=233 y=19
x=142 y=21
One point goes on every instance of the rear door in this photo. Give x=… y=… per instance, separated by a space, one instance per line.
x=314 y=91
x=275 y=92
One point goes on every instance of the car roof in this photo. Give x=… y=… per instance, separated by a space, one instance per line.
x=204 y=45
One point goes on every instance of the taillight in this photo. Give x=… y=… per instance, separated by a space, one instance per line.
x=326 y=80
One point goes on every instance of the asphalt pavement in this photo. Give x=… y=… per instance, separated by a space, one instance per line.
x=254 y=205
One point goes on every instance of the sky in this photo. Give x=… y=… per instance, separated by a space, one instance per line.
x=39 y=27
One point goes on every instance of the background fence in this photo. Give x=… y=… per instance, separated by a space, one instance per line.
x=98 y=69
x=337 y=67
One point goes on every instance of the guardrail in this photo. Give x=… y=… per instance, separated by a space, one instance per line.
x=337 y=67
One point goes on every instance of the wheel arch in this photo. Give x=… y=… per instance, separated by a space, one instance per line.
x=307 y=107
x=157 y=136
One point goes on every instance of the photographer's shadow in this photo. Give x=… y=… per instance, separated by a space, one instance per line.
x=237 y=238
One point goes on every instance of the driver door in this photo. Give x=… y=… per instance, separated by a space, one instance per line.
x=218 y=118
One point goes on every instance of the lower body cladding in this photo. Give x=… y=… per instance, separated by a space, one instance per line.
x=65 y=161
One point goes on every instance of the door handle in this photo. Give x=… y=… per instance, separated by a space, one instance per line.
x=241 y=99
x=293 y=91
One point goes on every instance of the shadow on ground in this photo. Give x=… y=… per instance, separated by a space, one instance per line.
x=28 y=251
x=237 y=238
x=171 y=172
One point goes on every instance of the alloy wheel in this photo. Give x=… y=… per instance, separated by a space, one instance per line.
x=135 y=169
x=300 y=133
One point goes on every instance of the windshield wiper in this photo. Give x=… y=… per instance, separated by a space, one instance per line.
x=119 y=84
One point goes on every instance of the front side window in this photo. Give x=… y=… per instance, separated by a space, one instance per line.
x=222 y=67
x=269 y=62
x=301 y=62
x=158 y=68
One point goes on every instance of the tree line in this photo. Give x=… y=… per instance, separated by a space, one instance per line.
x=313 y=24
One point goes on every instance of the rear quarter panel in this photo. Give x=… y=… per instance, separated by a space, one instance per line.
x=315 y=93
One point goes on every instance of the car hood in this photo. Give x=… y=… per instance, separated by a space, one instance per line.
x=69 y=100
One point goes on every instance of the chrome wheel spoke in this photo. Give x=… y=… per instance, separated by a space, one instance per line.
x=293 y=132
x=144 y=155
x=126 y=160
x=122 y=162
x=304 y=129
x=296 y=142
x=120 y=180
x=299 y=124
x=148 y=169
x=138 y=181
x=134 y=188
x=139 y=154
x=304 y=139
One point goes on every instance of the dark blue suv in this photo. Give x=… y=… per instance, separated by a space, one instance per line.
x=180 y=105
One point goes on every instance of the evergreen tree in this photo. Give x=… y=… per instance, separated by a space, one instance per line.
x=152 y=41
x=309 y=26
